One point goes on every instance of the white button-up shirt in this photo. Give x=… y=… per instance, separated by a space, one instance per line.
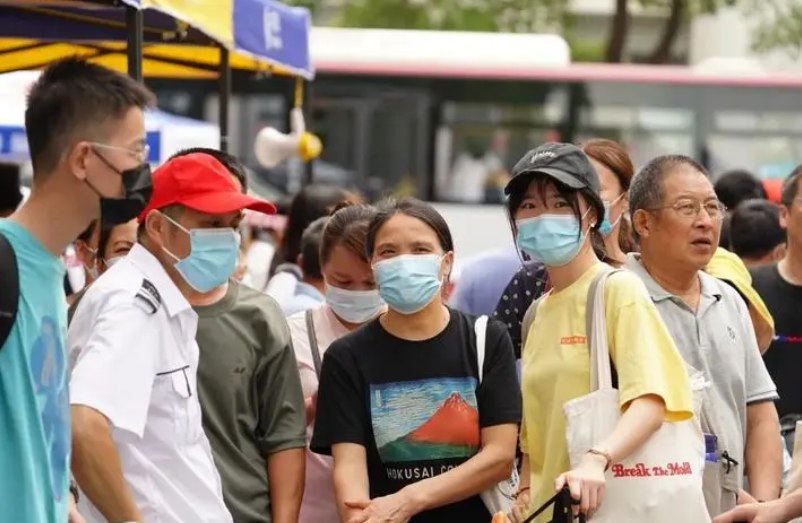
x=134 y=358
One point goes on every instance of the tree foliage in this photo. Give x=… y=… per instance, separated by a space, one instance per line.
x=777 y=24
x=453 y=15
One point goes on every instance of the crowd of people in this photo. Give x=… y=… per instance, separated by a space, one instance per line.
x=332 y=377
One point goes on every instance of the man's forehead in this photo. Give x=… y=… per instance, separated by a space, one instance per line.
x=687 y=179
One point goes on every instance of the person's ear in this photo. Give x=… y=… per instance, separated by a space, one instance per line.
x=447 y=266
x=784 y=217
x=642 y=223
x=154 y=227
x=300 y=261
x=79 y=159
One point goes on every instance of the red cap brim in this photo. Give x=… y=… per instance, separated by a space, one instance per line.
x=227 y=202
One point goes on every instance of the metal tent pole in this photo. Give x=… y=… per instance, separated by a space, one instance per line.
x=308 y=175
x=134 y=21
x=224 y=95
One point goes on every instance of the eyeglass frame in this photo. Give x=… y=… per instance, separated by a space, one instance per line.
x=141 y=156
x=697 y=208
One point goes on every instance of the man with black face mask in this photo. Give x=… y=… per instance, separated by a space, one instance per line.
x=86 y=135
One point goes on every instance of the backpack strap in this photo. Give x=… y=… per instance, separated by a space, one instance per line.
x=9 y=282
x=592 y=290
x=480 y=327
x=313 y=347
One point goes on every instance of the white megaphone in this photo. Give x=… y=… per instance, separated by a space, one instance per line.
x=273 y=147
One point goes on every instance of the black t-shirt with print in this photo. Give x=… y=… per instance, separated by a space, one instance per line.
x=416 y=406
x=784 y=357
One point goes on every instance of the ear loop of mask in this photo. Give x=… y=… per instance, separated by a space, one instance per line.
x=181 y=227
x=620 y=215
x=93 y=269
x=586 y=233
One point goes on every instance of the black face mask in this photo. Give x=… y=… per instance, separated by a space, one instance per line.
x=137 y=187
x=137 y=190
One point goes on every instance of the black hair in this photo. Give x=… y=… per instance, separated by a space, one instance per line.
x=571 y=196
x=347 y=226
x=312 y=202
x=229 y=161
x=311 y=240
x=283 y=206
x=791 y=187
x=74 y=100
x=10 y=193
x=413 y=208
x=88 y=232
x=738 y=185
x=755 y=228
x=647 y=190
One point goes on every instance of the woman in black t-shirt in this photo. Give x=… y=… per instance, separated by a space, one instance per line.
x=415 y=430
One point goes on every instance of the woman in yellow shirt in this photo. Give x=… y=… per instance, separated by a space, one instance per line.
x=555 y=209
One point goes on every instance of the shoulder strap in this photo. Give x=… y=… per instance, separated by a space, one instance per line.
x=529 y=319
x=9 y=282
x=594 y=287
x=313 y=347
x=480 y=327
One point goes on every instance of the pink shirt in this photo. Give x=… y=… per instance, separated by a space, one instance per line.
x=319 y=504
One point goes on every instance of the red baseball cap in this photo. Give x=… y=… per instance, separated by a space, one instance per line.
x=201 y=183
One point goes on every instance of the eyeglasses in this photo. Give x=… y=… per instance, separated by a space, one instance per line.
x=141 y=155
x=691 y=208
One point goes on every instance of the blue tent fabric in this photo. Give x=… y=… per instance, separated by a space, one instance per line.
x=275 y=31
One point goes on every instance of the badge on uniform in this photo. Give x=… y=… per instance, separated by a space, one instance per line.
x=148 y=297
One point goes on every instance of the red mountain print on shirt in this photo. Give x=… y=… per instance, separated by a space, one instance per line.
x=425 y=420
x=448 y=424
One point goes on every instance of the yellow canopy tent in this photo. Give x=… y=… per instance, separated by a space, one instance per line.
x=159 y=38
x=34 y=33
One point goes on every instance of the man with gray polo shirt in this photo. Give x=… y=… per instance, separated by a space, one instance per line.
x=676 y=220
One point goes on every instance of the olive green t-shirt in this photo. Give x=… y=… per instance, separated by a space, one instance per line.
x=250 y=394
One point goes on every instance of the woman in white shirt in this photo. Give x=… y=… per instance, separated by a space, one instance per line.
x=351 y=300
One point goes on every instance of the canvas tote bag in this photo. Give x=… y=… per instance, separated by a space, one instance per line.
x=662 y=481
x=501 y=496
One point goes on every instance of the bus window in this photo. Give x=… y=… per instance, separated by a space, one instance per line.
x=649 y=118
x=477 y=144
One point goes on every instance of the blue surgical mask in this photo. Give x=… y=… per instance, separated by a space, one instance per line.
x=409 y=282
x=212 y=259
x=606 y=227
x=354 y=306
x=553 y=239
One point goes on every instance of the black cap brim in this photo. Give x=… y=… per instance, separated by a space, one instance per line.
x=525 y=177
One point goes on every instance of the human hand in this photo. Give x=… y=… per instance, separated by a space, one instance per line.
x=586 y=483
x=395 y=508
x=771 y=512
x=73 y=515
x=745 y=498
x=520 y=508
x=311 y=408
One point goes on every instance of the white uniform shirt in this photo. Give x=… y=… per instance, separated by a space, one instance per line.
x=135 y=360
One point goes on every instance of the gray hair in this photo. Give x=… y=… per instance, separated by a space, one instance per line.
x=647 y=189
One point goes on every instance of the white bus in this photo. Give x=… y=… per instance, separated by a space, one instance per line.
x=404 y=111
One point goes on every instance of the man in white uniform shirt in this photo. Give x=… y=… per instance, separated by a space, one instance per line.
x=139 y=450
